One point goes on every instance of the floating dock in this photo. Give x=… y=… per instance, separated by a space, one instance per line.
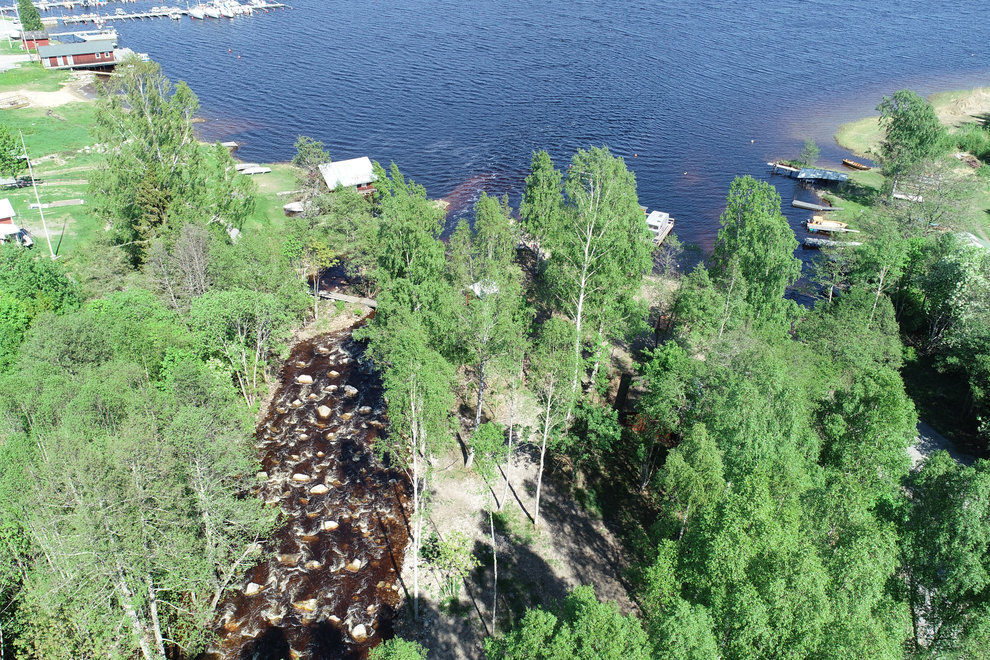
x=812 y=243
x=809 y=206
x=808 y=173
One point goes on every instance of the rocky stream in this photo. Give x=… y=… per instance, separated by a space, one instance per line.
x=330 y=581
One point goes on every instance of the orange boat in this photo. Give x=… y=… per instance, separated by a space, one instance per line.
x=853 y=164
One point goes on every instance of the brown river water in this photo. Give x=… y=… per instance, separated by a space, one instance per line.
x=329 y=584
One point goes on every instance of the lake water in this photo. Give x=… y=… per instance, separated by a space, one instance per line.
x=459 y=94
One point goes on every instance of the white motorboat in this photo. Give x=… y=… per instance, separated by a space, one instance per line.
x=198 y=12
x=212 y=12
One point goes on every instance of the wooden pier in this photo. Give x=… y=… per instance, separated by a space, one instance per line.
x=808 y=206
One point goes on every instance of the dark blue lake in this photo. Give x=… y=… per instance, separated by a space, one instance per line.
x=458 y=94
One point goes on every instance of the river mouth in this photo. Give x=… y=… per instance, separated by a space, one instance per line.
x=330 y=581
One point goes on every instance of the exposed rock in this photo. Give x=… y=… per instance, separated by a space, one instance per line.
x=324 y=411
x=319 y=489
x=313 y=565
x=333 y=373
x=364 y=410
x=346 y=416
x=301 y=478
x=334 y=618
x=305 y=605
x=297 y=403
x=330 y=388
x=252 y=588
x=288 y=560
x=359 y=633
x=354 y=565
x=320 y=454
x=350 y=391
x=330 y=525
x=304 y=379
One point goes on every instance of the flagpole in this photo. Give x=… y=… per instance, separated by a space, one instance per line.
x=37 y=198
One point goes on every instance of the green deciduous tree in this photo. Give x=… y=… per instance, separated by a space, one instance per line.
x=809 y=153
x=156 y=176
x=586 y=629
x=245 y=329
x=492 y=316
x=945 y=541
x=29 y=15
x=132 y=484
x=756 y=239
x=418 y=388
x=541 y=208
x=912 y=132
x=410 y=224
x=600 y=248
x=11 y=153
x=398 y=649
x=551 y=366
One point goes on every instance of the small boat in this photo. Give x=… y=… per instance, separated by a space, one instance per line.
x=819 y=223
x=256 y=170
x=855 y=165
x=106 y=35
x=240 y=167
x=212 y=12
x=197 y=12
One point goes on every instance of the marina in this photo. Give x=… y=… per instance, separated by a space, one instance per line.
x=218 y=9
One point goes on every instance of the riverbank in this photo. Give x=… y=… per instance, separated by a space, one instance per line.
x=966 y=193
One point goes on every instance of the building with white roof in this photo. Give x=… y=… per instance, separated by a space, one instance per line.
x=356 y=172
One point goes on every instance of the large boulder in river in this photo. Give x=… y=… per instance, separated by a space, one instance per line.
x=350 y=391
x=324 y=411
x=301 y=478
x=359 y=633
x=305 y=605
x=304 y=379
x=319 y=489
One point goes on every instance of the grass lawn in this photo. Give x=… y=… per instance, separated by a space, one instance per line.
x=862 y=137
x=32 y=76
x=268 y=211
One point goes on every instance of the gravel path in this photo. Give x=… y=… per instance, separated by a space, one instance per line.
x=930 y=441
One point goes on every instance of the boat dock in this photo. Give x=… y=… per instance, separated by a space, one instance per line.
x=155 y=12
x=812 y=243
x=807 y=173
x=808 y=206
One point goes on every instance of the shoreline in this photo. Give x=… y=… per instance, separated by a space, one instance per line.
x=953 y=107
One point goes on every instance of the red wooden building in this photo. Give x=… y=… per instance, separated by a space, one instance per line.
x=34 y=38
x=87 y=55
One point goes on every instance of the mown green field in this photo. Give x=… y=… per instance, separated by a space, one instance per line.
x=63 y=147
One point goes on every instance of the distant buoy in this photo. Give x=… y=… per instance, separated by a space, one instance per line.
x=230 y=50
x=685 y=174
x=635 y=155
x=752 y=141
x=238 y=57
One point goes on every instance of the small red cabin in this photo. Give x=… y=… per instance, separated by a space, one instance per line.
x=34 y=38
